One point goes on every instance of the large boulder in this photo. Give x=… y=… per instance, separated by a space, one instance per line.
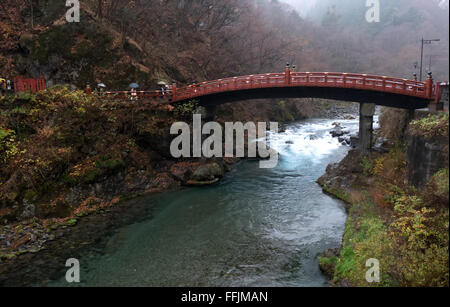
x=208 y=172
x=344 y=140
x=339 y=131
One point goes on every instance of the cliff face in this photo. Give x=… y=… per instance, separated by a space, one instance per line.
x=425 y=158
x=425 y=136
x=427 y=153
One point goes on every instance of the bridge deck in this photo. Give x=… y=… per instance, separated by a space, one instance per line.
x=426 y=91
x=303 y=79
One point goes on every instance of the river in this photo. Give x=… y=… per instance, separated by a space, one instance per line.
x=257 y=227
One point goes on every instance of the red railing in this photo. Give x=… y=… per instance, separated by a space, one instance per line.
x=22 y=84
x=128 y=95
x=413 y=88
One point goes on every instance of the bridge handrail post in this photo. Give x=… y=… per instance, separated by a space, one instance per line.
x=405 y=86
x=416 y=87
x=287 y=77
x=174 y=91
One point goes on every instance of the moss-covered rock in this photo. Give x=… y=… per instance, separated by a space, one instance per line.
x=328 y=261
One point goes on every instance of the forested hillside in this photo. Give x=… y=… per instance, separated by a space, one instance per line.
x=186 y=41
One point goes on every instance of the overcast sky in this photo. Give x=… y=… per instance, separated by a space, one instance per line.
x=304 y=5
x=301 y=5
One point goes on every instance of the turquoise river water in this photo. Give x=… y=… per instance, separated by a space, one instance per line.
x=257 y=227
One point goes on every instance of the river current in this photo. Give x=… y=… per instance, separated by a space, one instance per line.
x=257 y=227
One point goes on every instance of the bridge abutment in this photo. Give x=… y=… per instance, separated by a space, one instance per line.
x=366 y=113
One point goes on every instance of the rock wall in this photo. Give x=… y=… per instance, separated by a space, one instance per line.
x=425 y=157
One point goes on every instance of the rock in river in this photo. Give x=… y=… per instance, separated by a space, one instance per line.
x=339 y=131
x=207 y=174
x=344 y=140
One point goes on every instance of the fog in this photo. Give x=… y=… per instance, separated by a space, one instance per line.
x=339 y=28
x=302 y=6
x=305 y=6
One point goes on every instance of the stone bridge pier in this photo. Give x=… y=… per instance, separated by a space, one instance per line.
x=366 y=112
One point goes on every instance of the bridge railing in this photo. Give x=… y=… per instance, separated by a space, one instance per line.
x=291 y=79
x=128 y=95
x=230 y=84
x=307 y=79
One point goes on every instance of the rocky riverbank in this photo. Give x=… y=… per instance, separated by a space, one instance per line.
x=404 y=228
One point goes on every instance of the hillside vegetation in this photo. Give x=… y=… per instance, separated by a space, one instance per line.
x=186 y=41
x=405 y=228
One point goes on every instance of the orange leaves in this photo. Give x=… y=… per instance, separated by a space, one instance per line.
x=380 y=199
x=45 y=132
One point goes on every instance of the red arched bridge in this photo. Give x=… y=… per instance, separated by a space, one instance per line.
x=362 y=88
x=342 y=86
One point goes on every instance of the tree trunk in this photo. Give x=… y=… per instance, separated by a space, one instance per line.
x=100 y=8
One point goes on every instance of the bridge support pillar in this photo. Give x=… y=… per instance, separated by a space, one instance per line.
x=366 y=112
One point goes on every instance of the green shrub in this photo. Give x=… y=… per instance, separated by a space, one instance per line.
x=8 y=145
x=187 y=109
x=367 y=166
x=432 y=125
